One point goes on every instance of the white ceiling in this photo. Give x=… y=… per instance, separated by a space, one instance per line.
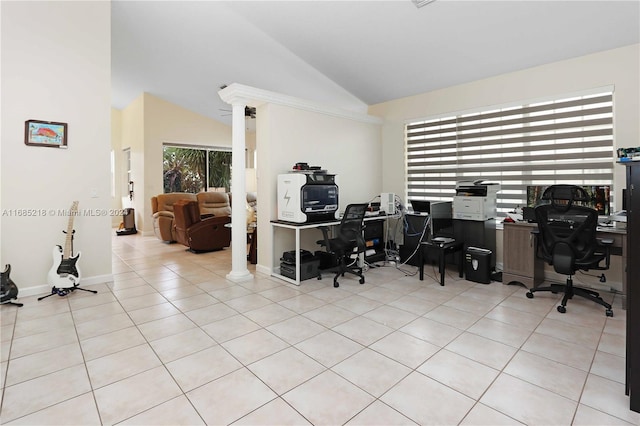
x=347 y=54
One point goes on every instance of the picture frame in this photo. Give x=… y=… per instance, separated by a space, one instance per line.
x=45 y=133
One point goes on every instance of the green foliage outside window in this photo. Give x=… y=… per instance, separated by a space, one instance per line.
x=220 y=170
x=185 y=169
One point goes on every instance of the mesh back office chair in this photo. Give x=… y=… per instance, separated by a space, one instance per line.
x=566 y=239
x=349 y=240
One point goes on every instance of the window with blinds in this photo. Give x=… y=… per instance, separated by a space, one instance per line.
x=566 y=140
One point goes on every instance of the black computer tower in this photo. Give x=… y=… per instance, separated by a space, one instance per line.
x=374 y=240
x=477 y=265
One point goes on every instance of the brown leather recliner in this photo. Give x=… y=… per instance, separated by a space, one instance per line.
x=162 y=209
x=198 y=234
x=214 y=203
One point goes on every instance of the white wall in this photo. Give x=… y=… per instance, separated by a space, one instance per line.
x=59 y=73
x=348 y=148
x=132 y=139
x=617 y=67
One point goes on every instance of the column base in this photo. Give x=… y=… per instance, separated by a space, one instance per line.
x=239 y=276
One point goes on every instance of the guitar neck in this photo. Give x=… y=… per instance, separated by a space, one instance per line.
x=68 y=243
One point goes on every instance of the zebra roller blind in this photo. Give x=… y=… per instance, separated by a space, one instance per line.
x=566 y=140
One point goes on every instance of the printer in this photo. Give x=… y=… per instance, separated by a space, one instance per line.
x=307 y=197
x=475 y=200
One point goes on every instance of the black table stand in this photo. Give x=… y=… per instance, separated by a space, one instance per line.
x=443 y=250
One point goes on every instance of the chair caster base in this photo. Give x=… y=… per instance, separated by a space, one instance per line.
x=361 y=280
x=529 y=295
x=609 y=312
x=335 y=284
x=562 y=309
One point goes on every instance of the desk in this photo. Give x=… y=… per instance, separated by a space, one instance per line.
x=443 y=250
x=297 y=227
x=521 y=265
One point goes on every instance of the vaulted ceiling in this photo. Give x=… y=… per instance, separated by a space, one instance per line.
x=347 y=54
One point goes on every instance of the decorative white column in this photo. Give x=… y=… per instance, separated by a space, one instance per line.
x=239 y=271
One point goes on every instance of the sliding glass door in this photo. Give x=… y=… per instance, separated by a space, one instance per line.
x=195 y=169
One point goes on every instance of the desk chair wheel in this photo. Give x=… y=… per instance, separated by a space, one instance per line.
x=609 y=312
x=562 y=309
x=335 y=283
x=361 y=280
x=529 y=295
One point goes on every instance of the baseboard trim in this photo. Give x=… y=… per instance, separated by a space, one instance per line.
x=46 y=288
x=263 y=270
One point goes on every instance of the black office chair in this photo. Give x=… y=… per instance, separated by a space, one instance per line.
x=566 y=239
x=349 y=240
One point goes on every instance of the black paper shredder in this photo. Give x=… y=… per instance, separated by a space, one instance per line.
x=477 y=265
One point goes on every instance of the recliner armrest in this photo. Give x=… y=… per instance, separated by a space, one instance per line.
x=163 y=213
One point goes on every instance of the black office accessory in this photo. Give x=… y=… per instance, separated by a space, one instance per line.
x=309 y=265
x=420 y=206
x=348 y=243
x=566 y=239
x=441 y=219
x=528 y=214
x=477 y=265
x=290 y=256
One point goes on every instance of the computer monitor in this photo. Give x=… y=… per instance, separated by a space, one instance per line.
x=421 y=206
x=599 y=197
x=441 y=219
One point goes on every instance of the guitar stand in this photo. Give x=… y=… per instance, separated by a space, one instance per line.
x=64 y=291
x=12 y=303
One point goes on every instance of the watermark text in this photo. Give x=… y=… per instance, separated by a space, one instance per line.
x=28 y=212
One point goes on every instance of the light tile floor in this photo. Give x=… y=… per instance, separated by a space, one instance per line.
x=171 y=341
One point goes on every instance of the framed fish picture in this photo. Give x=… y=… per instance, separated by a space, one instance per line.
x=45 y=133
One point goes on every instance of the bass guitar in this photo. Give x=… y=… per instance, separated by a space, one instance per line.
x=65 y=272
x=8 y=289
